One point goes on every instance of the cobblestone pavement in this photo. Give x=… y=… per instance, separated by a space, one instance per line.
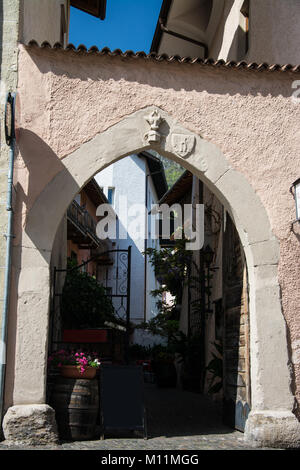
x=177 y=420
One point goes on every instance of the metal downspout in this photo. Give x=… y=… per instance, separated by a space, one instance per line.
x=10 y=140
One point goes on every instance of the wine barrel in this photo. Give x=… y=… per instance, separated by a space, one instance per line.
x=76 y=405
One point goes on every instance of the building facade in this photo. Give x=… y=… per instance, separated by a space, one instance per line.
x=76 y=240
x=233 y=125
x=133 y=185
x=214 y=307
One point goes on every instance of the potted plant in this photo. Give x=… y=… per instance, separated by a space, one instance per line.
x=75 y=364
x=75 y=401
x=84 y=302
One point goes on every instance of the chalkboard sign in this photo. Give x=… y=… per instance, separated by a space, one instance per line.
x=122 y=399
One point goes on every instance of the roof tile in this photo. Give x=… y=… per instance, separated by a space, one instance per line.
x=165 y=58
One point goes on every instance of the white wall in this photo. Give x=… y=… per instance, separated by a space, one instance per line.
x=274 y=31
x=41 y=20
x=128 y=177
x=151 y=282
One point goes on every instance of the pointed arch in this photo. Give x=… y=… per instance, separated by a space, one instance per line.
x=132 y=134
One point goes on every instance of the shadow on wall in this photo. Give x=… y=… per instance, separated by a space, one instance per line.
x=29 y=148
x=36 y=178
x=157 y=74
x=219 y=35
x=237 y=50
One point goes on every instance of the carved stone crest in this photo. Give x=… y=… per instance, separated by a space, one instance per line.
x=183 y=144
x=154 y=120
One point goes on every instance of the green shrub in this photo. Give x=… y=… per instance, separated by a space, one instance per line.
x=84 y=303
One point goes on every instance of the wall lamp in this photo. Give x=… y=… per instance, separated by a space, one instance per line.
x=295 y=190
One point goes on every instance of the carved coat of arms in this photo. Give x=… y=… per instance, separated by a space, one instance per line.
x=183 y=144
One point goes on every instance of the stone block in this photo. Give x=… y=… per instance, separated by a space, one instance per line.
x=266 y=252
x=275 y=429
x=30 y=425
x=251 y=217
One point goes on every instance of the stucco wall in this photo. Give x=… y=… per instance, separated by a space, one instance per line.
x=18 y=19
x=41 y=20
x=274 y=31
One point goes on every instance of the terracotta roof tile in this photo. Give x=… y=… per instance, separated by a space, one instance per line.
x=171 y=59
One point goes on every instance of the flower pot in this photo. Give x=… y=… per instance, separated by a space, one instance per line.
x=73 y=372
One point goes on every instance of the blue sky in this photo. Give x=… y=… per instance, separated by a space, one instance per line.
x=129 y=25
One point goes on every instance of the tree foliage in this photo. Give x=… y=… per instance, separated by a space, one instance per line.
x=172 y=169
x=171 y=268
x=215 y=367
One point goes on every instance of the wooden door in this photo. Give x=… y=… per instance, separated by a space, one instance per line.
x=236 y=360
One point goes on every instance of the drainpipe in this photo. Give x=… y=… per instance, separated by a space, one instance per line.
x=146 y=245
x=10 y=140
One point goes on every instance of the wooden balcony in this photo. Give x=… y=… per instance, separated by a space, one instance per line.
x=81 y=227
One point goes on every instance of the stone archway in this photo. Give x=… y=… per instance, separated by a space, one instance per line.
x=271 y=421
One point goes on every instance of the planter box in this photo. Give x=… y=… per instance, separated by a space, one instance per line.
x=85 y=336
x=73 y=372
x=107 y=342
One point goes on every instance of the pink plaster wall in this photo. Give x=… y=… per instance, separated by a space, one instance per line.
x=67 y=98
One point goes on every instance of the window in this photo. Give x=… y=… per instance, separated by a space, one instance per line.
x=84 y=268
x=110 y=195
x=77 y=198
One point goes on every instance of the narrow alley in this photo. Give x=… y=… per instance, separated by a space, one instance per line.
x=176 y=420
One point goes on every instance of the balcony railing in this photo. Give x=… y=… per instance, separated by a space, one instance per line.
x=83 y=221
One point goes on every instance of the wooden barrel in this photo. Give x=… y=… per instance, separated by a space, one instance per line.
x=76 y=405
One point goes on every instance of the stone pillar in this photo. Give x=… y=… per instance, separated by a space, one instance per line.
x=29 y=421
x=276 y=429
